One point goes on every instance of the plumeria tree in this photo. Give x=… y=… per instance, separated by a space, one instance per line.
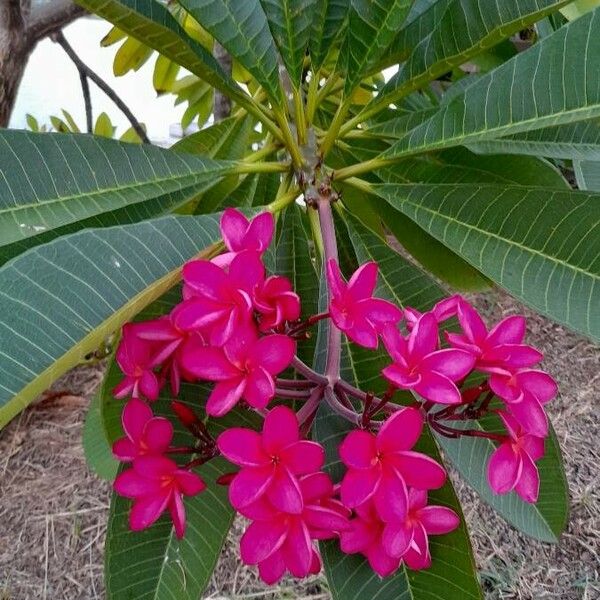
x=282 y=290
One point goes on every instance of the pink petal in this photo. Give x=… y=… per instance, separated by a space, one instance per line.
x=381 y=562
x=303 y=457
x=400 y=431
x=438 y=520
x=531 y=416
x=446 y=308
x=319 y=517
x=359 y=485
x=395 y=344
x=297 y=549
x=131 y=484
x=189 y=483
x=205 y=279
x=177 y=510
x=534 y=446
x=274 y=352
x=391 y=497
x=316 y=486
x=260 y=388
x=280 y=429
x=380 y=311
x=335 y=280
x=259 y=510
x=509 y=331
x=401 y=377
x=225 y=396
x=246 y=271
x=438 y=388
x=146 y=511
x=315 y=563
x=159 y=330
x=504 y=469
x=124 y=449
x=209 y=363
x=396 y=538
x=249 y=485
x=452 y=363
x=284 y=492
x=261 y=540
x=359 y=450
x=419 y=470
x=242 y=447
x=198 y=313
x=358 y=538
x=539 y=384
x=417 y=499
x=471 y=323
x=272 y=569
x=513 y=356
x=361 y=332
x=362 y=283
x=528 y=484
x=124 y=388
x=423 y=338
x=260 y=232
x=158 y=434
x=417 y=556
x=134 y=417
x=154 y=467
x=149 y=385
x=505 y=387
x=233 y=228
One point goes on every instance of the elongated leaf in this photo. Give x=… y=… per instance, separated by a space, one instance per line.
x=151 y=22
x=371 y=28
x=213 y=141
x=59 y=301
x=539 y=245
x=290 y=23
x=587 y=173
x=242 y=28
x=577 y=141
x=544 y=520
x=438 y=41
x=54 y=184
x=549 y=84
x=328 y=22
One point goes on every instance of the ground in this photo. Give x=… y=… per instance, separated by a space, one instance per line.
x=53 y=510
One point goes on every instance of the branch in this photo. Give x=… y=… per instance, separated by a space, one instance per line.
x=60 y=39
x=48 y=17
x=14 y=15
x=222 y=103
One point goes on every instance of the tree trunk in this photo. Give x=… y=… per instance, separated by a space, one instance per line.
x=13 y=60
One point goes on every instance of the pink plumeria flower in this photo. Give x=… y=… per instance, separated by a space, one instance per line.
x=156 y=484
x=365 y=536
x=498 y=350
x=278 y=542
x=445 y=309
x=144 y=433
x=525 y=393
x=219 y=300
x=270 y=461
x=420 y=366
x=381 y=466
x=244 y=369
x=137 y=360
x=352 y=307
x=276 y=302
x=240 y=234
x=408 y=539
x=512 y=465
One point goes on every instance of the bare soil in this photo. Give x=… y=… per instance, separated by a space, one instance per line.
x=53 y=510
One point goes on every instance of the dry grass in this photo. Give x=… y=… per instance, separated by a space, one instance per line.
x=53 y=511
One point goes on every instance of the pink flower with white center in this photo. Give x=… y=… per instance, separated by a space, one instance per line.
x=244 y=369
x=408 y=539
x=218 y=300
x=137 y=360
x=276 y=302
x=144 y=433
x=445 y=309
x=240 y=234
x=382 y=466
x=498 y=350
x=525 y=392
x=270 y=461
x=512 y=464
x=156 y=484
x=365 y=536
x=352 y=307
x=278 y=542
x=420 y=366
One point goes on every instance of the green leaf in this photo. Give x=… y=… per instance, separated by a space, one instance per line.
x=293 y=260
x=96 y=446
x=60 y=301
x=577 y=141
x=151 y=22
x=449 y=34
x=290 y=22
x=54 y=184
x=544 y=520
x=103 y=126
x=549 y=84
x=371 y=28
x=587 y=173
x=329 y=17
x=242 y=28
x=537 y=244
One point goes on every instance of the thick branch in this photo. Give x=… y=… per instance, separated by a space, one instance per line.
x=14 y=15
x=49 y=16
x=59 y=38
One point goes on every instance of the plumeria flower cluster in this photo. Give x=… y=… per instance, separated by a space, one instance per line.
x=238 y=327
